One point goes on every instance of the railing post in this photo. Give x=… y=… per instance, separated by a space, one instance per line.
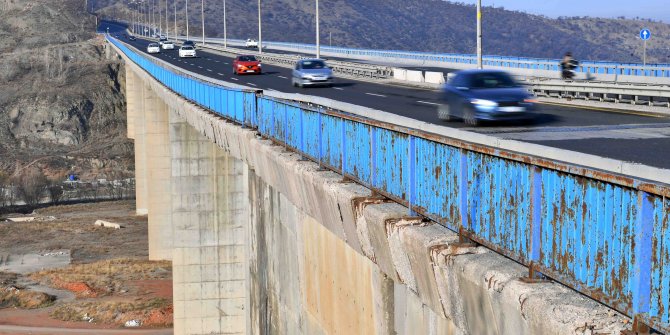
x=344 y=148
x=463 y=190
x=411 y=180
x=535 y=236
x=642 y=255
x=373 y=156
x=320 y=153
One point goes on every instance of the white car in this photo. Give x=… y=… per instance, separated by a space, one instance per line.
x=167 y=45
x=162 y=40
x=153 y=48
x=250 y=43
x=187 y=51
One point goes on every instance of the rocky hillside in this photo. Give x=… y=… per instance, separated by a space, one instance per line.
x=61 y=99
x=425 y=25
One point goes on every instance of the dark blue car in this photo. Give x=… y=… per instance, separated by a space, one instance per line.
x=485 y=95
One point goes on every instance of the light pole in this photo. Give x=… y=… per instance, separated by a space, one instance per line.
x=225 y=32
x=160 y=19
x=186 y=10
x=167 y=25
x=480 y=65
x=318 y=40
x=202 y=18
x=174 y=2
x=260 y=31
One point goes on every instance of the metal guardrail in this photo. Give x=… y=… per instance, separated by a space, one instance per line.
x=653 y=95
x=350 y=69
x=528 y=63
x=602 y=234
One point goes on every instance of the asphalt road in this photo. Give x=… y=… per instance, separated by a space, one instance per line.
x=614 y=134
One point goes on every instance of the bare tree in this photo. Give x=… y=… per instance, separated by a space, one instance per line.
x=31 y=186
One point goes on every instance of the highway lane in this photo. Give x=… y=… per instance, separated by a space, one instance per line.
x=629 y=137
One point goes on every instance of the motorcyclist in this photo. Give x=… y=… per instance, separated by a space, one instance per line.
x=568 y=65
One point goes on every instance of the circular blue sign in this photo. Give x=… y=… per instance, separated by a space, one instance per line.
x=645 y=34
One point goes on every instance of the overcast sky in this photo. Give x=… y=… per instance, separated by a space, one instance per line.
x=653 y=9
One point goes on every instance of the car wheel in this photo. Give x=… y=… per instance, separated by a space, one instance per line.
x=469 y=117
x=444 y=113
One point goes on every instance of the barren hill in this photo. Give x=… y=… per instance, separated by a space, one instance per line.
x=423 y=25
x=61 y=99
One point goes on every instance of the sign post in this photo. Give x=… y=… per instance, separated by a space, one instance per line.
x=645 y=34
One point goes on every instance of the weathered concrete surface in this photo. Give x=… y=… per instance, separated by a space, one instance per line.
x=325 y=258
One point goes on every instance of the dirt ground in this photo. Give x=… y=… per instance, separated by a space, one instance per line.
x=108 y=282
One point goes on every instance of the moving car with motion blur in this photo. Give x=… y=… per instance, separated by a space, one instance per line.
x=187 y=51
x=485 y=95
x=251 y=43
x=312 y=72
x=167 y=45
x=132 y=37
x=247 y=64
x=162 y=40
x=153 y=48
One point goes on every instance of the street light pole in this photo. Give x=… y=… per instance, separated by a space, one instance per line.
x=260 y=31
x=318 y=40
x=160 y=19
x=480 y=65
x=176 y=33
x=167 y=23
x=225 y=32
x=186 y=10
x=202 y=17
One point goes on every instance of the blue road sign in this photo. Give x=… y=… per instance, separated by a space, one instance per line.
x=645 y=34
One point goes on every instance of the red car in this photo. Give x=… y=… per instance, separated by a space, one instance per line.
x=246 y=64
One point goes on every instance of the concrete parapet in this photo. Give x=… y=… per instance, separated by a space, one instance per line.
x=399 y=73
x=435 y=77
x=415 y=76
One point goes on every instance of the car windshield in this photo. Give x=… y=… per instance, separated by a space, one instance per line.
x=153 y=45
x=313 y=64
x=486 y=80
x=187 y=48
x=247 y=59
x=188 y=43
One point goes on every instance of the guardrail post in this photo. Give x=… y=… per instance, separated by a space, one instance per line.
x=373 y=157
x=642 y=259
x=535 y=236
x=344 y=148
x=411 y=181
x=320 y=149
x=463 y=190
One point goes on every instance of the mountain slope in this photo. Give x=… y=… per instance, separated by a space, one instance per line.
x=424 y=25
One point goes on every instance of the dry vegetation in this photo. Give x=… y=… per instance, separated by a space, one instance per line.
x=110 y=275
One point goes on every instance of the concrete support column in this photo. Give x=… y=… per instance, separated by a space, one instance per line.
x=133 y=96
x=209 y=214
x=159 y=173
x=147 y=101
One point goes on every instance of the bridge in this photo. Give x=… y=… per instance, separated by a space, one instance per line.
x=353 y=211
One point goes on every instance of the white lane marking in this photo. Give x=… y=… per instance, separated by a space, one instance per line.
x=337 y=88
x=220 y=74
x=282 y=77
x=225 y=63
x=427 y=103
x=252 y=84
x=217 y=61
x=199 y=67
x=377 y=95
x=209 y=70
x=192 y=64
x=234 y=78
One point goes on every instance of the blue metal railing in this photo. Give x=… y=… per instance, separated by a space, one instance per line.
x=607 y=236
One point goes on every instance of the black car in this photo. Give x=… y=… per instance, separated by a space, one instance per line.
x=189 y=44
x=485 y=95
x=132 y=38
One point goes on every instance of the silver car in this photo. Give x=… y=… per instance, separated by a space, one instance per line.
x=312 y=72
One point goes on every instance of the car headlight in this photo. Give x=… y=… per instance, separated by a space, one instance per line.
x=484 y=105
